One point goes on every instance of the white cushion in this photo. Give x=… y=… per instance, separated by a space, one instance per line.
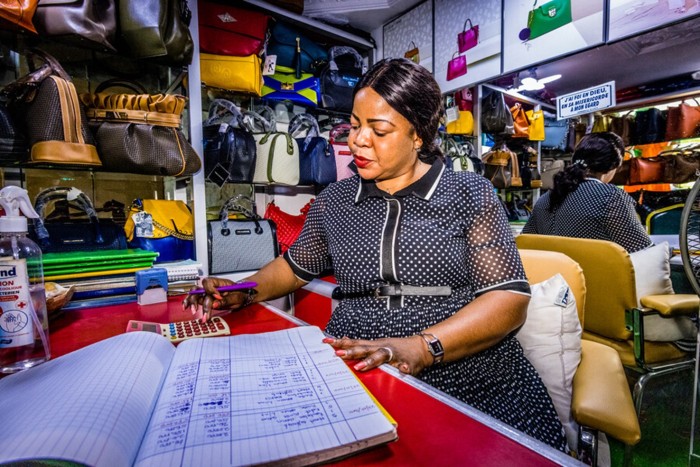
x=551 y=341
x=652 y=271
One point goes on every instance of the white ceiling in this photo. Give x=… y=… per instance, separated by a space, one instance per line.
x=661 y=54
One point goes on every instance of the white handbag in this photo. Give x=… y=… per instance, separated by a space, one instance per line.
x=277 y=159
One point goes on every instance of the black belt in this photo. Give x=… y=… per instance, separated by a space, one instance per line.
x=395 y=290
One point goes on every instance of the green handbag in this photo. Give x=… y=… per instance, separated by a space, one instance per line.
x=548 y=17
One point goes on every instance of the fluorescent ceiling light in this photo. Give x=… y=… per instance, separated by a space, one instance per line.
x=531 y=83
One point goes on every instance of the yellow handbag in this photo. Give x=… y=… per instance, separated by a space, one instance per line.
x=164 y=226
x=536 y=120
x=464 y=125
x=243 y=74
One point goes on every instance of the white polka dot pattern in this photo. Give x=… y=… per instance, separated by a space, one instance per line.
x=457 y=236
x=594 y=210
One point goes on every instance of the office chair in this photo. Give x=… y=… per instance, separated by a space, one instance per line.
x=664 y=221
x=601 y=399
x=612 y=316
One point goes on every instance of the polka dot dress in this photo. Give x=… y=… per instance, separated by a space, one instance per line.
x=448 y=228
x=594 y=210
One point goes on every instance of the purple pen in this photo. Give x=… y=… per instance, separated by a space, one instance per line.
x=227 y=288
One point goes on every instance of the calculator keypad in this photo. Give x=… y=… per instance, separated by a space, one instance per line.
x=182 y=330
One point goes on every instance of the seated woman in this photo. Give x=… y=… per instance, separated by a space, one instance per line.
x=430 y=277
x=583 y=204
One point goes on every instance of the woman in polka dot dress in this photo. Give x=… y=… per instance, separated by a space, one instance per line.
x=430 y=278
x=583 y=204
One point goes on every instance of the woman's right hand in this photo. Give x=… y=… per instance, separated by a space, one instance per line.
x=212 y=299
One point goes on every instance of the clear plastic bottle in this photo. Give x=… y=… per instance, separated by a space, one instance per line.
x=24 y=328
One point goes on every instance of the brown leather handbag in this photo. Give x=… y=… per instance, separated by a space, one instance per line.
x=683 y=121
x=17 y=14
x=521 y=124
x=47 y=106
x=139 y=132
x=81 y=22
x=645 y=170
x=501 y=168
x=681 y=166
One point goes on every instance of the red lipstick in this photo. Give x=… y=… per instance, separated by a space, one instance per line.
x=361 y=162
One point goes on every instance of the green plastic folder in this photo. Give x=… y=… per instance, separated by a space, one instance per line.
x=78 y=269
x=82 y=258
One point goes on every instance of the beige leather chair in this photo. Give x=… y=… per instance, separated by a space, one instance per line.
x=612 y=315
x=601 y=399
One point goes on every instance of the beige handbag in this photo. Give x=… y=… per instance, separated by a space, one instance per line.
x=277 y=159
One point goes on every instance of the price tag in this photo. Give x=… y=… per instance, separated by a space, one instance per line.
x=270 y=65
x=143 y=223
x=452 y=114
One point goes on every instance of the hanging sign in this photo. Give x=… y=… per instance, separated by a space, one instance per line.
x=586 y=101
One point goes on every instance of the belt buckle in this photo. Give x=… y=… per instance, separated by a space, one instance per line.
x=376 y=293
x=389 y=290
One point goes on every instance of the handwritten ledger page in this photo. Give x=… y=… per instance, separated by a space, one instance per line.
x=253 y=399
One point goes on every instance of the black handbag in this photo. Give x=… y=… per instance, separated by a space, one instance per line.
x=229 y=148
x=74 y=234
x=339 y=77
x=13 y=144
x=316 y=156
x=237 y=245
x=80 y=22
x=650 y=126
x=157 y=30
x=496 y=117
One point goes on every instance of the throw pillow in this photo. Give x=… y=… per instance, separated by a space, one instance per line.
x=652 y=271
x=551 y=341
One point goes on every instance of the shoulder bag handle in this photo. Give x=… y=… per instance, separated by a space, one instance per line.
x=308 y=122
x=256 y=123
x=121 y=83
x=469 y=20
x=338 y=50
x=218 y=110
x=69 y=194
x=338 y=130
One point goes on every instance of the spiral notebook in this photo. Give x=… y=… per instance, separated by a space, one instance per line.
x=185 y=270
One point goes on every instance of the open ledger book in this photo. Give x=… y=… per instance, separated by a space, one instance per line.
x=134 y=399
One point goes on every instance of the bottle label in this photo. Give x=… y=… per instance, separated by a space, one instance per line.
x=16 y=326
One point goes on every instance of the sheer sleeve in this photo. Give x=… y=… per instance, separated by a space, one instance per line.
x=308 y=255
x=493 y=259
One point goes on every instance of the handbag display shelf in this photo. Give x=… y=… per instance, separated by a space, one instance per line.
x=45 y=106
x=228 y=30
x=163 y=226
x=140 y=133
x=316 y=157
x=74 y=235
x=237 y=245
x=229 y=147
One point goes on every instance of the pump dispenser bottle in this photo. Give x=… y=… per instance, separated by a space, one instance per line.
x=24 y=328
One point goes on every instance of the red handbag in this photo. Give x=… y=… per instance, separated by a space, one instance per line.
x=468 y=38
x=288 y=225
x=227 y=30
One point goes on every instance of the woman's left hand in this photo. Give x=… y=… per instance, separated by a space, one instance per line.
x=409 y=354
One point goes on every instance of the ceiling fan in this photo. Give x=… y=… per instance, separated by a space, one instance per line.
x=531 y=83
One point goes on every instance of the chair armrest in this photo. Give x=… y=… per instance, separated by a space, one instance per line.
x=672 y=304
x=601 y=396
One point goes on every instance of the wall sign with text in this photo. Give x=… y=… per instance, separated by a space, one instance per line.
x=586 y=101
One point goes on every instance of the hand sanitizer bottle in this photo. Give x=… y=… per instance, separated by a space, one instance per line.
x=24 y=328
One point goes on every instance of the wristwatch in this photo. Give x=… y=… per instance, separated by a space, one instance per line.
x=434 y=346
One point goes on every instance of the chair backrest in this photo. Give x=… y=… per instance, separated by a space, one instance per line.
x=541 y=265
x=665 y=221
x=610 y=280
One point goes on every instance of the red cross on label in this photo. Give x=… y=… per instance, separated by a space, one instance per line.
x=21 y=305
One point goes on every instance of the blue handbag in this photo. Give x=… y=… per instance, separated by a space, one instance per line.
x=555 y=134
x=295 y=50
x=285 y=86
x=316 y=157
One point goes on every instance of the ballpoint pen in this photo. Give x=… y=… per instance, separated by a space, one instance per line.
x=227 y=288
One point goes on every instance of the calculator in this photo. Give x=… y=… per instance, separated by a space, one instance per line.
x=181 y=330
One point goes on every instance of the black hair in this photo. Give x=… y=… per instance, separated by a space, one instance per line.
x=595 y=153
x=412 y=91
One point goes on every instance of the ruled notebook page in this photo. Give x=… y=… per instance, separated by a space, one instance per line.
x=252 y=399
x=90 y=406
